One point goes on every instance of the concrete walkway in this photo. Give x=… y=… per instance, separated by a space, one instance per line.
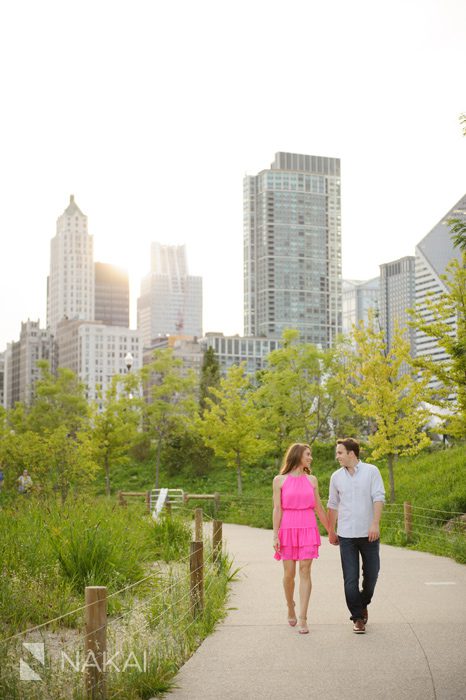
x=414 y=648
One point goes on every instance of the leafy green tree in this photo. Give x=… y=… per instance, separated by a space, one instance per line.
x=171 y=401
x=68 y=462
x=57 y=462
x=60 y=400
x=47 y=437
x=383 y=387
x=458 y=229
x=186 y=451
x=343 y=420
x=299 y=393
x=231 y=424
x=435 y=321
x=210 y=377
x=115 y=425
x=16 y=418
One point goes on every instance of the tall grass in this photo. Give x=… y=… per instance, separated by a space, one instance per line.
x=158 y=624
x=49 y=554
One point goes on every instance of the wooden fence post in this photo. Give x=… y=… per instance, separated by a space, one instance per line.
x=408 y=517
x=96 y=642
x=198 y=525
x=148 y=501
x=121 y=499
x=216 y=539
x=216 y=503
x=196 y=568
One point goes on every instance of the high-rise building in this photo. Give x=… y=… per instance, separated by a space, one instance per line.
x=433 y=254
x=397 y=296
x=36 y=344
x=292 y=249
x=359 y=298
x=70 y=285
x=171 y=300
x=189 y=350
x=11 y=386
x=21 y=357
x=2 y=378
x=234 y=350
x=111 y=295
x=96 y=352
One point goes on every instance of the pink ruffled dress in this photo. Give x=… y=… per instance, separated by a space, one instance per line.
x=298 y=534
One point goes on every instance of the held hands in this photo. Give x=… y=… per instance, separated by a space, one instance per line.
x=333 y=537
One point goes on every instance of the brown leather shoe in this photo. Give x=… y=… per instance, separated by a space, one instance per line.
x=359 y=627
x=365 y=615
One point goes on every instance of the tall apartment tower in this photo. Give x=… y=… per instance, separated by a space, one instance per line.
x=97 y=352
x=359 y=298
x=433 y=254
x=111 y=295
x=397 y=295
x=20 y=366
x=292 y=249
x=171 y=300
x=70 y=285
x=2 y=378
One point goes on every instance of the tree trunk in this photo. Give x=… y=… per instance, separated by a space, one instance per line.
x=157 y=463
x=238 y=474
x=391 y=476
x=107 y=475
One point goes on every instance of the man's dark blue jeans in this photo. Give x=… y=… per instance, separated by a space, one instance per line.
x=350 y=549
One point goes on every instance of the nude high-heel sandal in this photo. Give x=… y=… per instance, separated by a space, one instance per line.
x=303 y=628
x=292 y=621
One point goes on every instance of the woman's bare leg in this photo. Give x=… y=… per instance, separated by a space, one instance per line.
x=289 y=573
x=305 y=588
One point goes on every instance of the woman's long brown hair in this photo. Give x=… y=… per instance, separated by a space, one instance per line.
x=293 y=457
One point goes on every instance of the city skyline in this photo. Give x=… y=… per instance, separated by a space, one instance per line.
x=156 y=153
x=292 y=249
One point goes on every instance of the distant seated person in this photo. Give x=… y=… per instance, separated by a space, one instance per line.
x=24 y=482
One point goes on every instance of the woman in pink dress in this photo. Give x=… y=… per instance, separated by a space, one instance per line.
x=295 y=533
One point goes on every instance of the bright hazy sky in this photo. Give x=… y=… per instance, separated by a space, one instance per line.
x=151 y=113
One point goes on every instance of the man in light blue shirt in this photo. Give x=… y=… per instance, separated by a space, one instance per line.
x=356 y=498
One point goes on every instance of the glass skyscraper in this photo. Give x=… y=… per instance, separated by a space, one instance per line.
x=111 y=295
x=292 y=249
x=171 y=300
x=433 y=254
x=397 y=296
x=359 y=298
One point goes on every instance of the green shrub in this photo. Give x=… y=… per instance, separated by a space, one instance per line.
x=50 y=553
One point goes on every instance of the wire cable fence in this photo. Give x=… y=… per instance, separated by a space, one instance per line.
x=435 y=530
x=161 y=619
x=82 y=608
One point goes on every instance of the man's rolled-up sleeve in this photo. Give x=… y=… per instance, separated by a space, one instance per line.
x=377 y=487
x=333 y=497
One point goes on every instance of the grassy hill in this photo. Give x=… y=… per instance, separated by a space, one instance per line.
x=433 y=479
x=434 y=482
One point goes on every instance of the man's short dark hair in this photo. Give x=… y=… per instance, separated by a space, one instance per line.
x=350 y=444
